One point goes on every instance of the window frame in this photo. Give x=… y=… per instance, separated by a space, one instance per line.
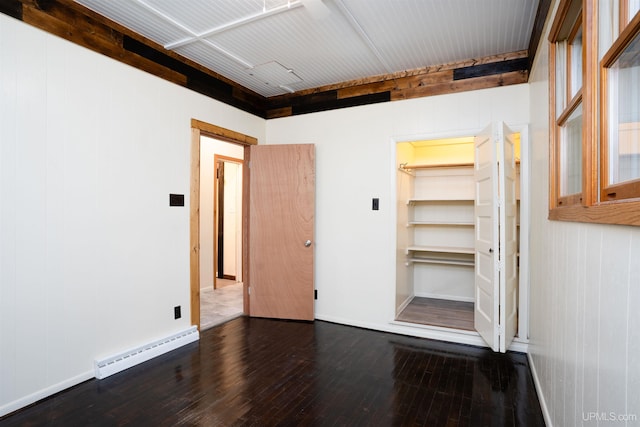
x=568 y=14
x=587 y=205
x=627 y=189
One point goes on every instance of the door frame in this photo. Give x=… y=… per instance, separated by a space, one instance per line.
x=473 y=338
x=198 y=129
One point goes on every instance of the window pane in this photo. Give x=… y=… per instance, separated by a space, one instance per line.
x=571 y=154
x=576 y=63
x=623 y=81
x=608 y=14
x=561 y=77
x=634 y=7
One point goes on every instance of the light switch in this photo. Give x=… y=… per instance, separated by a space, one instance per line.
x=176 y=199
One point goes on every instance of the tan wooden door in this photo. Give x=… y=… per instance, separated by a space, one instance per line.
x=281 y=225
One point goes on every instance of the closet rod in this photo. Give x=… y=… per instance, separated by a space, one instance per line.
x=408 y=167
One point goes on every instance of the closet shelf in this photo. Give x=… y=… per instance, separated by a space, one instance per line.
x=441 y=249
x=447 y=261
x=441 y=199
x=448 y=223
x=408 y=167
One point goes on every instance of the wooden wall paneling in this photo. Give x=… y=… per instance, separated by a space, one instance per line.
x=82 y=26
x=538 y=27
x=454 y=86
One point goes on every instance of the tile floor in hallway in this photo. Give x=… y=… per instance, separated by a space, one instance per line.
x=220 y=305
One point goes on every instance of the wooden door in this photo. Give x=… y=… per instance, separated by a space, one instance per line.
x=487 y=290
x=281 y=226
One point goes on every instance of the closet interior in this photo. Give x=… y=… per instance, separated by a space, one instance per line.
x=436 y=231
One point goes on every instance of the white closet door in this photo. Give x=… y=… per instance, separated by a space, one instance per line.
x=496 y=245
x=508 y=237
x=486 y=240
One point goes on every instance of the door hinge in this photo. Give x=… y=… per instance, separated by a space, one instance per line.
x=248 y=290
x=315 y=294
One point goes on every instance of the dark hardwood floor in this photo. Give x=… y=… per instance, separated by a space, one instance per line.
x=439 y=312
x=260 y=372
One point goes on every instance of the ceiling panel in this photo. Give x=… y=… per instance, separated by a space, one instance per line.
x=416 y=33
x=325 y=41
x=319 y=51
x=137 y=17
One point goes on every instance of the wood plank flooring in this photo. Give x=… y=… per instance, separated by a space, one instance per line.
x=439 y=312
x=264 y=372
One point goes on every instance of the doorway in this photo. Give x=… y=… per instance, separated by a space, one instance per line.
x=281 y=201
x=207 y=141
x=438 y=224
x=221 y=164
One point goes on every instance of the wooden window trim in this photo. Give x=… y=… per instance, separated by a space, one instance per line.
x=624 y=212
x=623 y=9
x=568 y=9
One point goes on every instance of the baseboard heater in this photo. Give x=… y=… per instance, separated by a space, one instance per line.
x=120 y=362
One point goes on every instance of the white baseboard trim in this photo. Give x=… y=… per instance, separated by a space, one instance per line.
x=45 y=392
x=121 y=361
x=414 y=330
x=425 y=331
x=404 y=305
x=447 y=297
x=541 y=399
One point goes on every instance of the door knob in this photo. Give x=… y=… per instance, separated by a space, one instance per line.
x=307 y=243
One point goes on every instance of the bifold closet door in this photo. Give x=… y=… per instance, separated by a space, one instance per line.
x=495 y=237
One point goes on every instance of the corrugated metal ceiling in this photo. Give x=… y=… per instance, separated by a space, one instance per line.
x=277 y=46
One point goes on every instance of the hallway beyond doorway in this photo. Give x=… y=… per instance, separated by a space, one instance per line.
x=220 y=305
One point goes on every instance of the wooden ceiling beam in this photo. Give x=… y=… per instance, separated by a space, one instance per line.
x=472 y=74
x=80 y=25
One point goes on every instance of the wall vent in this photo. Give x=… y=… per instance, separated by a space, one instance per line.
x=120 y=362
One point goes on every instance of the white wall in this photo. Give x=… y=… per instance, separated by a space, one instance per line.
x=585 y=285
x=209 y=147
x=92 y=258
x=355 y=269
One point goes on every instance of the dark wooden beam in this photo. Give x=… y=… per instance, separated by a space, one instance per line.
x=538 y=27
x=74 y=22
x=491 y=69
x=82 y=26
x=472 y=74
x=13 y=8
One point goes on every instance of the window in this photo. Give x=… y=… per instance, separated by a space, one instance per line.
x=568 y=135
x=620 y=122
x=595 y=111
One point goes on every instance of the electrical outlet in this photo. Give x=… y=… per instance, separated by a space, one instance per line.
x=375 y=204
x=177 y=312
